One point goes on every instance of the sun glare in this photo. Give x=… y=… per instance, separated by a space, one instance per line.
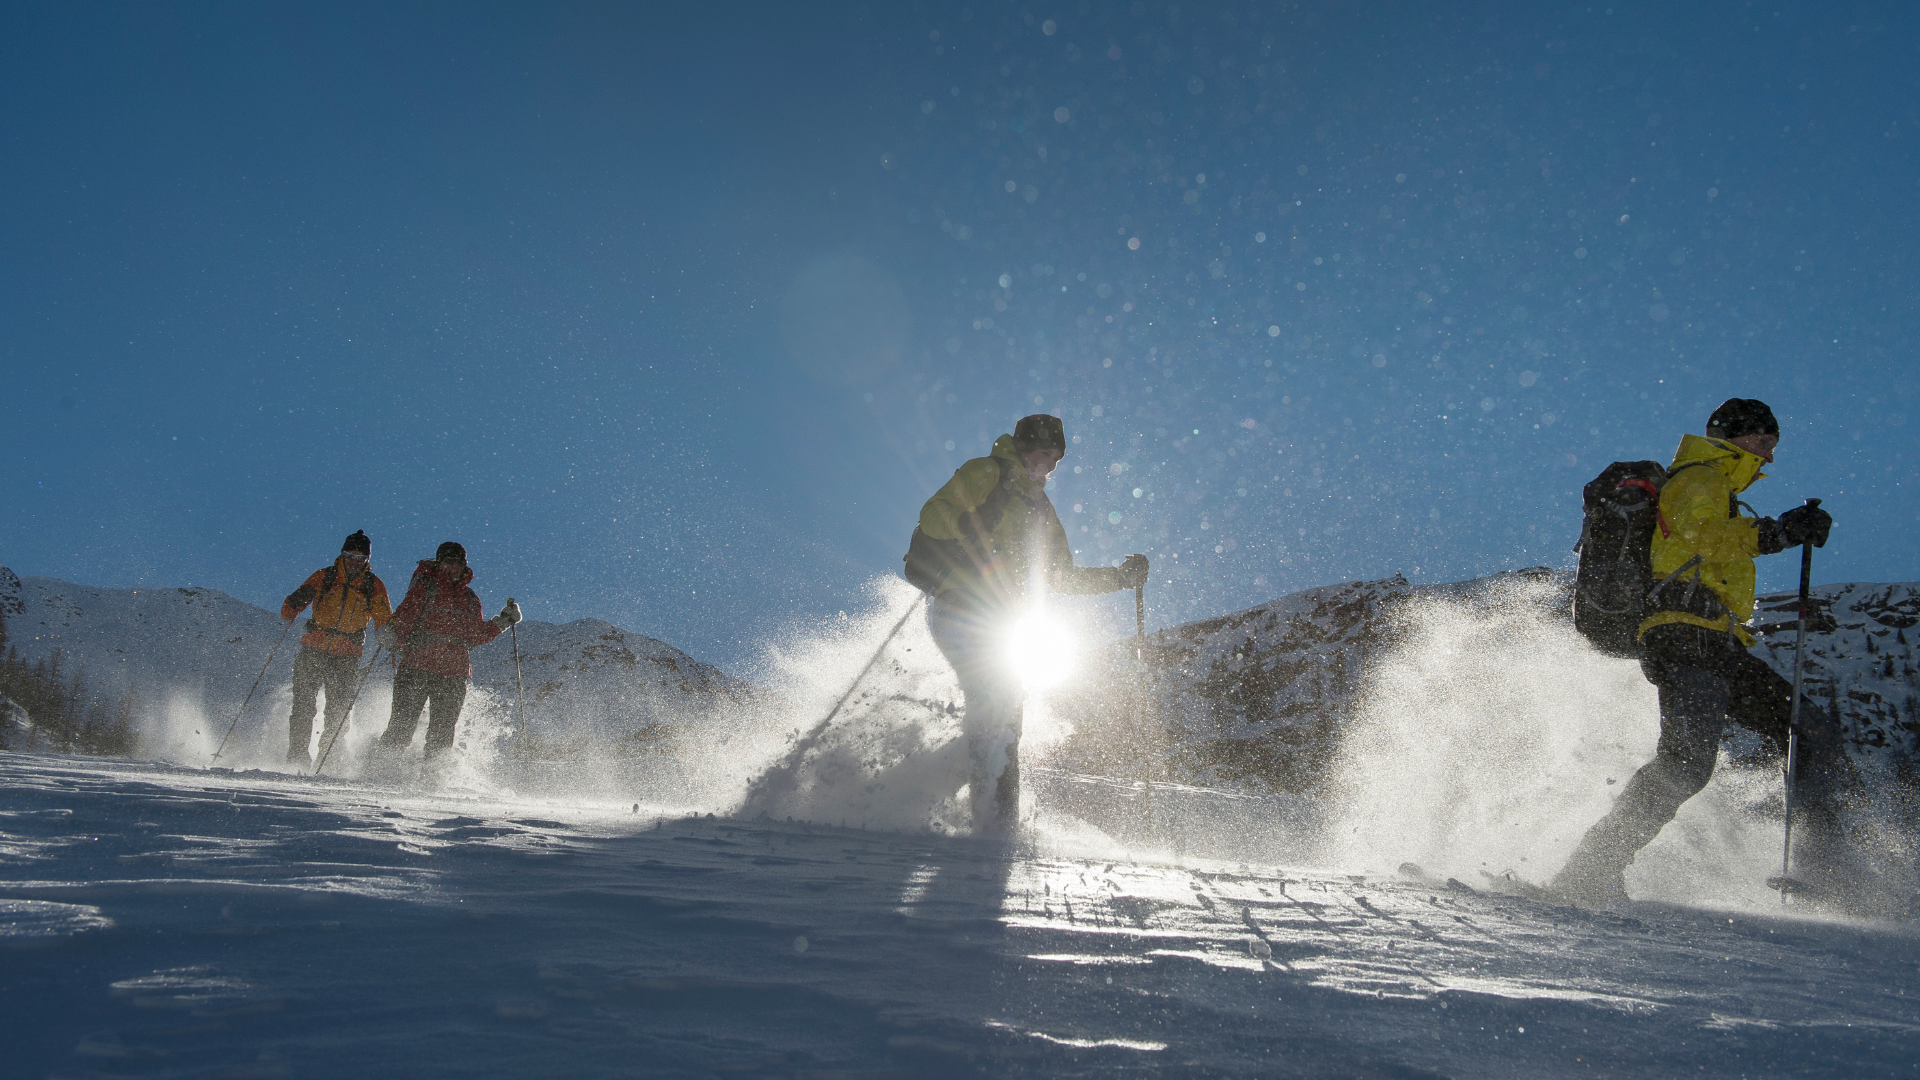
x=1041 y=651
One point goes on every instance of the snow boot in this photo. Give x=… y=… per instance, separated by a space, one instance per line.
x=1589 y=886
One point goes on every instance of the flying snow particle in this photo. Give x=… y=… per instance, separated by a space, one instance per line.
x=1133 y=243
x=1113 y=53
x=1061 y=115
x=1117 y=468
x=1580 y=253
x=926 y=106
x=1195 y=86
x=1113 y=517
x=1528 y=378
x=1379 y=360
x=799 y=944
x=1049 y=27
x=1006 y=281
x=1486 y=404
x=1273 y=331
x=1259 y=238
x=1137 y=492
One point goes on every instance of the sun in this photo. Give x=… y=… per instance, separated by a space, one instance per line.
x=1041 y=651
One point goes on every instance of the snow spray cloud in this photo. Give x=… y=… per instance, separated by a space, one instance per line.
x=1489 y=739
x=1493 y=736
x=891 y=758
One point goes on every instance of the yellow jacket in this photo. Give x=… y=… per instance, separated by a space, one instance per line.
x=1003 y=553
x=1700 y=517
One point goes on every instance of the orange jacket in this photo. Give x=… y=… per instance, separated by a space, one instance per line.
x=342 y=607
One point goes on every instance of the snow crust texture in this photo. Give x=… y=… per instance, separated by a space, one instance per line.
x=161 y=922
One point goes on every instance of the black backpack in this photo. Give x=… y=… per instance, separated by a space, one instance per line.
x=929 y=562
x=1614 y=583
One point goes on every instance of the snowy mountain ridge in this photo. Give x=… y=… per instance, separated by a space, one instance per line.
x=1260 y=698
x=591 y=687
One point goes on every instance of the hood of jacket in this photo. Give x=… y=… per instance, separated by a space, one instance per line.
x=1740 y=468
x=449 y=575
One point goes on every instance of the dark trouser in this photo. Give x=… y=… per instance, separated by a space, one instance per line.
x=313 y=671
x=1705 y=679
x=413 y=689
x=970 y=639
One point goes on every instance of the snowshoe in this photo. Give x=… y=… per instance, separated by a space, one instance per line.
x=1414 y=872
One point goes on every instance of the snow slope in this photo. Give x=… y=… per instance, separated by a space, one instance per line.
x=164 y=922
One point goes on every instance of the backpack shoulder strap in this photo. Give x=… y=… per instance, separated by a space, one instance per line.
x=994 y=506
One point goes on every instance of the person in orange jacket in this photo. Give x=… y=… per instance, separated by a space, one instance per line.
x=345 y=597
x=438 y=621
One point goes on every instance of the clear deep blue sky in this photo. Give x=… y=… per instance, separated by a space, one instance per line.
x=675 y=315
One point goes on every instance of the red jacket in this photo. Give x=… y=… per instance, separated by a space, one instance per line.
x=439 y=620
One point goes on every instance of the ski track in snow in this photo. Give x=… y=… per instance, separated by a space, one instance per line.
x=158 y=921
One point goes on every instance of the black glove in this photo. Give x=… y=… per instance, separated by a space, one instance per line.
x=1772 y=540
x=1133 y=572
x=1806 y=525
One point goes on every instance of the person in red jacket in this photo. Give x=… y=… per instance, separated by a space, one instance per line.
x=345 y=597
x=435 y=625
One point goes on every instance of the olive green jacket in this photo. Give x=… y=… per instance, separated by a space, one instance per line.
x=1006 y=540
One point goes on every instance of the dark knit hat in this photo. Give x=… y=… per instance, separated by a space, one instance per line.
x=358 y=542
x=1742 y=416
x=451 y=552
x=1039 y=432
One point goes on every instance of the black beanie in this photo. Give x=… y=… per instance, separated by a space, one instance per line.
x=1742 y=416
x=451 y=551
x=358 y=542
x=1039 y=432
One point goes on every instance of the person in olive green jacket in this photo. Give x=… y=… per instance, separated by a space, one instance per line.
x=1695 y=646
x=985 y=539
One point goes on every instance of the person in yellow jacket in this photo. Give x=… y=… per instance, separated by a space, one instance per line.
x=345 y=596
x=1695 y=645
x=985 y=539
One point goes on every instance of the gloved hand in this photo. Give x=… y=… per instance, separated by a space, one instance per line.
x=1806 y=524
x=387 y=637
x=508 y=616
x=1133 y=572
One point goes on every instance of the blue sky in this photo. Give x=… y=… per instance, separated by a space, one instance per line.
x=675 y=316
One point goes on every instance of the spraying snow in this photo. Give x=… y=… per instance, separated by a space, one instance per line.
x=1492 y=736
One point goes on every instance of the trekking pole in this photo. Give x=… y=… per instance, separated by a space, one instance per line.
x=1793 y=715
x=520 y=713
x=1140 y=691
x=806 y=742
x=347 y=717
x=249 y=697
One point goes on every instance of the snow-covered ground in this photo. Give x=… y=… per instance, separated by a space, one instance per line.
x=170 y=922
x=660 y=869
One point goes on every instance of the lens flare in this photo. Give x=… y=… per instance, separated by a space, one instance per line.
x=1041 y=651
